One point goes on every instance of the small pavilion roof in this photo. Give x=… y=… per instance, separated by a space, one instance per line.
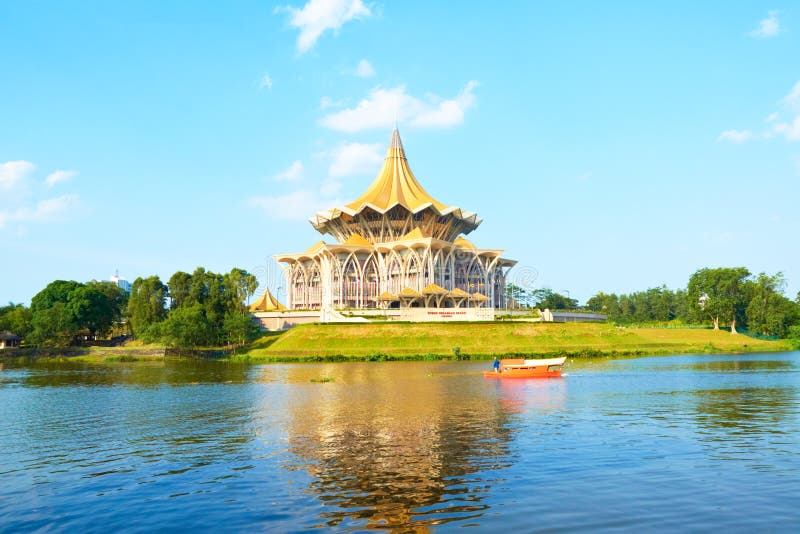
x=478 y=296
x=409 y=293
x=356 y=239
x=433 y=289
x=315 y=247
x=416 y=233
x=458 y=293
x=5 y=335
x=267 y=302
x=386 y=296
x=464 y=243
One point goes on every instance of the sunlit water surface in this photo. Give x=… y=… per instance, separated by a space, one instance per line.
x=668 y=443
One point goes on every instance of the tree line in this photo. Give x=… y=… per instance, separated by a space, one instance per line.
x=729 y=297
x=191 y=310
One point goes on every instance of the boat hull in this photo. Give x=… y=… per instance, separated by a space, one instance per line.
x=523 y=374
x=519 y=368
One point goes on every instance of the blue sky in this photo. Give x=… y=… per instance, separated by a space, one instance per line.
x=608 y=146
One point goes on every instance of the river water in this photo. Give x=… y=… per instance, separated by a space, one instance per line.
x=671 y=443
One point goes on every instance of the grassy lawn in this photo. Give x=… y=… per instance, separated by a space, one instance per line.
x=484 y=340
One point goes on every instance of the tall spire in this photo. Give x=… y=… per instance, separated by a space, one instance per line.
x=396 y=143
x=396 y=184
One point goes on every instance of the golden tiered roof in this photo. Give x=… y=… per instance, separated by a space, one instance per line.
x=395 y=185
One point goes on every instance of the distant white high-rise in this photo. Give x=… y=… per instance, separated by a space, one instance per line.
x=120 y=281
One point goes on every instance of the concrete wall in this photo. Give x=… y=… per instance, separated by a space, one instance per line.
x=285 y=320
x=572 y=317
x=446 y=314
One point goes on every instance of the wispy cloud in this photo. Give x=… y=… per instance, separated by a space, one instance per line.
x=47 y=210
x=292 y=174
x=792 y=100
x=20 y=203
x=327 y=102
x=789 y=129
x=295 y=206
x=768 y=27
x=350 y=159
x=383 y=106
x=13 y=173
x=58 y=177
x=319 y=16
x=347 y=159
x=735 y=136
x=265 y=83
x=364 y=69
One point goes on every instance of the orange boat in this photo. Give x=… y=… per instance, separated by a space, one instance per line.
x=519 y=368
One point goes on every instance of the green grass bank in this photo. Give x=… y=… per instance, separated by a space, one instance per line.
x=391 y=341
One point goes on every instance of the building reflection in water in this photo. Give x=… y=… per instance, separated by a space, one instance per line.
x=411 y=445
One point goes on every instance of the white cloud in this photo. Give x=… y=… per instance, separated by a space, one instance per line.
x=59 y=176
x=319 y=16
x=790 y=130
x=365 y=69
x=793 y=98
x=768 y=27
x=292 y=174
x=13 y=173
x=356 y=158
x=266 y=82
x=449 y=112
x=327 y=102
x=48 y=210
x=383 y=106
x=735 y=136
x=772 y=117
x=295 y=206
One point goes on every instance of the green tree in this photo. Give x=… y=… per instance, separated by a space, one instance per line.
x=517 y=296
x=91 y=309
x=53 y=326
x=179 y=284
x=146 y=303
x=54 y=322
x=547 y=298
x=16 y=318
x=719 y=294
x=56 y=291
x=187 y=327
x=604 y=303
x=238 y=328
x=65 y=308
x=243 y=285
x=116 y=296
x=769 y=311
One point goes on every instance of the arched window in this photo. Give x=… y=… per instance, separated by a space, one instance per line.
x=351 y=282
x=370 y=283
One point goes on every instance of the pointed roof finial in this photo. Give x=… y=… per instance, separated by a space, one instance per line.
x=396 y=143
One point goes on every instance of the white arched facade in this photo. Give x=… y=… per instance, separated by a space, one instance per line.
x=356 y=277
